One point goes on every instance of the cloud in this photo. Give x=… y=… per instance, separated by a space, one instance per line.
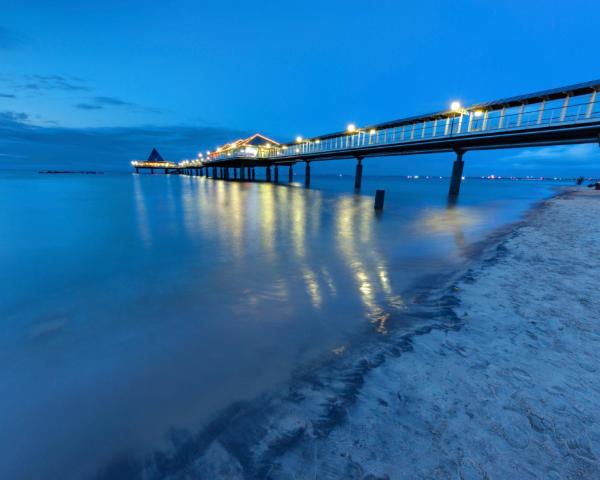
x=40 y=83
x=563 y=154
x=100 y=102
x=54 y=82
x=9 y=39
x=88 y=106
x=112 y=101
x=100 y=148
x=8 y=117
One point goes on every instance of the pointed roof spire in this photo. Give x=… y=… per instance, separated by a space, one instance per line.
x=155 y=156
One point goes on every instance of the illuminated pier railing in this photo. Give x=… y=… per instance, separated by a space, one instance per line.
x=457 y=122
x=576 y=104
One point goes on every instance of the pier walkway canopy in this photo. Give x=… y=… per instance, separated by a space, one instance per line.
x=155 y=160
x=255 y=146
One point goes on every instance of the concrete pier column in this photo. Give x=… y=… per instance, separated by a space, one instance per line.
x=152 y=171
x=226 y=173
x=242 y=173
x=235 y=173
x=268 y=173
x=249 y=173
x=290 y=174
x=307 y=175
x=166 y=171
x=358 y=174
x=457 y=171
x=214 y=173
x=276 y=168
x=253 y=174
x=137 y=170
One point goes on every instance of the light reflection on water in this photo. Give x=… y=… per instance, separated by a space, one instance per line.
x=134 y=304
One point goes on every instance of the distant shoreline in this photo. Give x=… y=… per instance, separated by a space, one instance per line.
x=81 y=172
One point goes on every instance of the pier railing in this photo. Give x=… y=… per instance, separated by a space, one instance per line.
x=461 y=124
x=577 y=104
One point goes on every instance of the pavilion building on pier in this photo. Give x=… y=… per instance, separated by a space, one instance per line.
x=255 y=146
x=155 y=160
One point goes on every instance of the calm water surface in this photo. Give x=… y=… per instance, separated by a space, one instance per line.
x=131 y=305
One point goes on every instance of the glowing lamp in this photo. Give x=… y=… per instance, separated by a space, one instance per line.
x=455 y=106
x=372 y=131
x=299 y=139
x=478 y=113
x=351 y=128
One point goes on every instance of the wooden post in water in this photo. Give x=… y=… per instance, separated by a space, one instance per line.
x=137 y=170
x=276 y=174
x=242 y=174
x=268 y=173
x=249 y=173
x=307 y=175
x=253 y=174
x=152 y=171
x=457 y=171
x=379 y=198
x=290 y=173
x=358 y=174
x=235 y=173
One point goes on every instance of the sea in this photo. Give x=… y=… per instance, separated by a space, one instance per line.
x=135 y=305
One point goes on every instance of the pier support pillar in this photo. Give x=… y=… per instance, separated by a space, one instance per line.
x=457 y=171
x=226 y=173
x=152 y=171
x=242 y=173
x=290 y=174
x=253 y=174
x=379 y=198
x=137 y=170
x=358 y=174
x=276 y=169
x=214 y=173
x=307 y=175
x=235 y=173
x=268 y=173
x=249 y=173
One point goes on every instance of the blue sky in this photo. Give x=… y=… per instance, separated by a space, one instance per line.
x=95 y=84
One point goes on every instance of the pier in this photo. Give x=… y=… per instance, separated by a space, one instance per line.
x=560 y=116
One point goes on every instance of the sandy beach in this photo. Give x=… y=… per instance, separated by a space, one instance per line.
x=497 y=378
